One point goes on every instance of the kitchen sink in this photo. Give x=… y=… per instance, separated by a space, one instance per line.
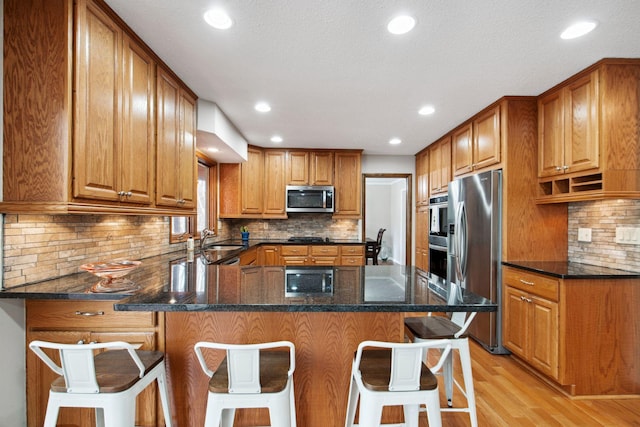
x=223 y=247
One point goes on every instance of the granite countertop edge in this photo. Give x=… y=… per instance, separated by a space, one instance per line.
x=572 y=270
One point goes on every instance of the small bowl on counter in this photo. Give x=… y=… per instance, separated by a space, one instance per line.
x=112 y=275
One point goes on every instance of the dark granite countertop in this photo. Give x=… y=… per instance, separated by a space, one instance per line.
x=176 y=282
x=572 y=270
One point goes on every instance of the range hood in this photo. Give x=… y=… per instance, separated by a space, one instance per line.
x=215 y=130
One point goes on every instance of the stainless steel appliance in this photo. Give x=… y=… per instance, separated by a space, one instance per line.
x=313 y=198
x=438 y=232
x=475 y=247
x=308 y=281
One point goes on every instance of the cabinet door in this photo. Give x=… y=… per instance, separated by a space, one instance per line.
x=298 y=168
x=515 y=321
x=550 y=134
x=486 y=139
x=40 y=377
x=269 y=255
x=137 y=154
x=422 y=242
x=461 y=152
x=274 y=184
x=440 y=166
x=187 y=167
x=321 y=168
x=422 y=178
x=581 y=142
x=230 y=190
x=544 y=335
x=445 y=164
x=434 y=168
x=168 y=140
x=348 y=185
x=252 y=182
x=98 y=88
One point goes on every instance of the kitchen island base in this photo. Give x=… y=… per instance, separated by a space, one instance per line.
x=325 y=347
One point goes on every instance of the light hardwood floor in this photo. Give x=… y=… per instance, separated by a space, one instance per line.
x=509 y=395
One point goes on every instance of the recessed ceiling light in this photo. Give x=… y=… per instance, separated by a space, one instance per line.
x=212 y=150
x=578 y=29
x=395 y=141
x=426 y=110
x=276 y=138
x=401 y=24
x=263 y=107
x=218 y=19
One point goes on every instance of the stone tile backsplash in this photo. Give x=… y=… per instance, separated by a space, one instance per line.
x=40 y=247
x=603 y=217
x=301 y=224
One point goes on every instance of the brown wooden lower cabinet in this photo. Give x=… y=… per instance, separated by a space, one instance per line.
x=324 y=342
x=581 y=334
x=322 y=255
x=74 y=321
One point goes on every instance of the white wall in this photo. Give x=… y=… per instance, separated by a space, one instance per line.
x=13 y=410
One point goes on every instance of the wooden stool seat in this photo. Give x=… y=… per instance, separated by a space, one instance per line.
x=375 y=368
x=116 y=371
x=108 y=381
x=274 y=368
x=392 y=374
x=432 y=327
x=249 y=376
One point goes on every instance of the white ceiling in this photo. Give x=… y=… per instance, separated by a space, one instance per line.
x=337 y=79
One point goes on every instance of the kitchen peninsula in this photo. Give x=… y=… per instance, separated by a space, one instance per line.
x=190 y=300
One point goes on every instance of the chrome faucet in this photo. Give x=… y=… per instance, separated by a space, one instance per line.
x=206 y=233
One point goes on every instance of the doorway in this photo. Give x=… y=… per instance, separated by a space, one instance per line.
x=386 y=198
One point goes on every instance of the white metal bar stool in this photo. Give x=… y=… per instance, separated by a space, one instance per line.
x=250 y=376
x=453 y=332
x=108 y=381
x=385 y=373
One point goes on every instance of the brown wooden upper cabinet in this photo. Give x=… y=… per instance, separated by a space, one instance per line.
x=80 y=114
x=113 y=154
x=440 y=166
x=568 y=128
x=348 y=184
x=176 y=161
x=476 y=145
x=256 y=188
x=310 y=168
x=589 y=135
x=422 y=178
x=275 y=164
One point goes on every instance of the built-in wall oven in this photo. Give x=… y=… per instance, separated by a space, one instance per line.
x=438 y=235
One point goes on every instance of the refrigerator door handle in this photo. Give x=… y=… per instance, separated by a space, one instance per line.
x=460 y=243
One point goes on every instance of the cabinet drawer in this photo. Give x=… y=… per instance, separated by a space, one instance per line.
x=353 y=250
x=84 y=314
x=324 y=250
x=537 y=284
x=296 y=250
x=352 y=260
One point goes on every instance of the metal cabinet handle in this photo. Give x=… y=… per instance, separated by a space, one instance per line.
x=89 y=313
x=558 y=168
x=527 y=283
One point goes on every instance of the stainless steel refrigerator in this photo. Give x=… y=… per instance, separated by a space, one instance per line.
x=475 y=247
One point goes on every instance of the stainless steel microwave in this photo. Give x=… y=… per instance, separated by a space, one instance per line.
x=308 y=281
x=310 y=198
